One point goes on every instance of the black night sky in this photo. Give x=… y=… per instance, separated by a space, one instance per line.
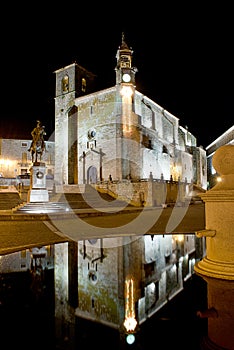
x=184 y=57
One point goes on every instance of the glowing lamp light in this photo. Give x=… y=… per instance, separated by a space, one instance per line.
x=130 y=339
x=126 y=91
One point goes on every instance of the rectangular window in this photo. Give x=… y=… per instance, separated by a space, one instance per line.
x=24 y=144
x=23 y=254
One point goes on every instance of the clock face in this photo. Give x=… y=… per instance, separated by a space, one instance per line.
x=126 y=78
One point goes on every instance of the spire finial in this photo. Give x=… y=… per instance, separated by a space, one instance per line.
x=123 y=37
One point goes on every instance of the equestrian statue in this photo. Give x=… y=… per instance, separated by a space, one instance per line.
x=37 y=146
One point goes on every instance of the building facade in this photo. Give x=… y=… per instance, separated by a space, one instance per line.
x=118 y=132
x=15 y=159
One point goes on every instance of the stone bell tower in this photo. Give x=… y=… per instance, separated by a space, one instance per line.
x=72 y=81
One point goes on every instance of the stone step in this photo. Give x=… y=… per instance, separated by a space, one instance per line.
x=9 y=200
x=61 y=202
x=42 y=207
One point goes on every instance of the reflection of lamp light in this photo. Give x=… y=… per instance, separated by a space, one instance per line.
x=218 y=179
x=130 y=338
x=130 y=322
x=179 y=238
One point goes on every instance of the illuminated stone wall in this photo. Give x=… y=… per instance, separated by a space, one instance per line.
x=16 y=160
x=159 y=146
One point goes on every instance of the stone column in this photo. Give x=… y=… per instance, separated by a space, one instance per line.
x=219 y=212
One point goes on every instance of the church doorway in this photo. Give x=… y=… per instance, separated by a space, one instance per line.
x=92 y=175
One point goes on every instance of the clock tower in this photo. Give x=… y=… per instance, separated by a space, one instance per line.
x=125 y=73
x=128 y=120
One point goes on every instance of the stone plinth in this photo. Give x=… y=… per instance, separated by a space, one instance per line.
x=38 y=196
x=38 y=191
x=219 y=211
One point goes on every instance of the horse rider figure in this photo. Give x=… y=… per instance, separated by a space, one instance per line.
x=37 y=146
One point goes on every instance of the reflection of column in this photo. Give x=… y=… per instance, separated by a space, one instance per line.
x=219 y=210
x=220 y=314
x=64 y=303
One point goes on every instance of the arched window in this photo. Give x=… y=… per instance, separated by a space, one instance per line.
x=65 y=83
x=83 y=87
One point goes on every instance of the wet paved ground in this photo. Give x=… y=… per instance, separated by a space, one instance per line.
x=21 y=230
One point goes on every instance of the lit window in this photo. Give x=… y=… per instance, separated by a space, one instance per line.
x=83 y=87
x=65 y=83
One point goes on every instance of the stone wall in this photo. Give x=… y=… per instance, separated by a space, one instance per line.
x=147 y=193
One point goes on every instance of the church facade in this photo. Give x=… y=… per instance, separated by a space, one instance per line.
x=118 y=133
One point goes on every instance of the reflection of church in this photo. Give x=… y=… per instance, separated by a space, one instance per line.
x=123 y=281
x=118 y=131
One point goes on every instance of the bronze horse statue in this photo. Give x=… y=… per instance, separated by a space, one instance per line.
x=37 y=146
x=37 y=149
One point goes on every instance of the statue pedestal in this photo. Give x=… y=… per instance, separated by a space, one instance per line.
x=38 y=191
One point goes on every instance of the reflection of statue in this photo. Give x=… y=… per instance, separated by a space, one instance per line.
x=37 y=146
